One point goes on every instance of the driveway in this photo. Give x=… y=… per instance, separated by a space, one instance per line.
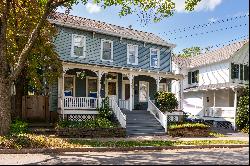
x=237 y=156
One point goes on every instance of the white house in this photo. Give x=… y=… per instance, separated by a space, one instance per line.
x=212 y=81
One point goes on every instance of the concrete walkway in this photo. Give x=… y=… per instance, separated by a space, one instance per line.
x=214 y=156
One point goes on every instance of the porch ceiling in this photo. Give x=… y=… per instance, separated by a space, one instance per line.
x=214 y=87
x=123 y=70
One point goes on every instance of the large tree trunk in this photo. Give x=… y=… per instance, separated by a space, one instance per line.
x=5 y=106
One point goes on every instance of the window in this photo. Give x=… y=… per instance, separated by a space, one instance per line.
x=92 y=87
x=162 y=87
x=241 y=72
x=143 y=91
x=193 y=77
x=132 y=54
x=78 y=48
x=69 y=85
x=154 y=58
x=106 y=50
x=234 y=71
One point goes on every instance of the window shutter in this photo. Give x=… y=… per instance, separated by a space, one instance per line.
x=197 y=76
x=189 y=77
x=232 y=71
x=246 y=72
x=241 y=71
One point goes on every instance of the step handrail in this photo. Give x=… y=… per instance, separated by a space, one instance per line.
x=118 y=113
x=159 y=116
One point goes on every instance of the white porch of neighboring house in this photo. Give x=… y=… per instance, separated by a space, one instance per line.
x=213 y=102
x=124 y=90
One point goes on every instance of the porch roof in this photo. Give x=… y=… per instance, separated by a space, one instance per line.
x=214 y=87
x=123 y=70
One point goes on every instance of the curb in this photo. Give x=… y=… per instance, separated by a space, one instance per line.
x=115 y=149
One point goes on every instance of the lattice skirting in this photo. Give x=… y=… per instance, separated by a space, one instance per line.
x=78 y=117
x=173 y=118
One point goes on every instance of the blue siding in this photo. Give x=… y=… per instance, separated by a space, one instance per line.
x=93 y=50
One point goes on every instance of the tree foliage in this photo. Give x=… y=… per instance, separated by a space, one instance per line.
x=189 y=52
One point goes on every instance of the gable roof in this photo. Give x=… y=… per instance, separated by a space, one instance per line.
x=105 y=28
x=214 y=56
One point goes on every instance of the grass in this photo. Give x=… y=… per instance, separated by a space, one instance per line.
x=40 y=141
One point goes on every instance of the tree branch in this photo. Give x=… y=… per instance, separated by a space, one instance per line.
x=28 y=46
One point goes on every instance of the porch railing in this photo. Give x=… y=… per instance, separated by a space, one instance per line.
x=124 y=104
x=80 y=102
x=118 y=113
x=224 y=112
x=159 y=116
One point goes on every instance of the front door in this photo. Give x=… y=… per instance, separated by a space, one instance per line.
x=127 y=92
x=112 y=89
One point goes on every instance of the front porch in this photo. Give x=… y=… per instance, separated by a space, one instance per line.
x=82 y=87
x=213 y=104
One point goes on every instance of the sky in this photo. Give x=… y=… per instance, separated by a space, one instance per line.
x=209 y=12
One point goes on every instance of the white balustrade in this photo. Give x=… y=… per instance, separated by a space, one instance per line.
x=159 y=116
x=224 y=112
x=124 y=104
x=80 y=102
x=118 y=113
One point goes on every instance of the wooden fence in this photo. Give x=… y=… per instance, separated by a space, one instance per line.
x=35 y=108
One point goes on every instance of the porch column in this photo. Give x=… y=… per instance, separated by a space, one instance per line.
x=131 y=78
x=99 y=74
x=62 y=91
x=235 y=107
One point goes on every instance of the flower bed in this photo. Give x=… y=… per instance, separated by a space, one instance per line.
x=99 y=127
x=188 y=130
x=90 y=132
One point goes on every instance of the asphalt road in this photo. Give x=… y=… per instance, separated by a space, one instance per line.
x=239 y=156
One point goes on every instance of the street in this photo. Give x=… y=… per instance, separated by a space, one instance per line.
x=234 y=156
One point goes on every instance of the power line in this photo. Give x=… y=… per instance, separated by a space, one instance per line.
x=208 y=48
x=204 y=25
x=216 y=30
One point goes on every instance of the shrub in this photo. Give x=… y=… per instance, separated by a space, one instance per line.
x=187 y=125
x=105 y=111
x=96 y=123
x=242 y=116
x=165 y=101
x=18 y=127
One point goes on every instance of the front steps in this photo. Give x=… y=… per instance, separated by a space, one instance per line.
x=142 y=123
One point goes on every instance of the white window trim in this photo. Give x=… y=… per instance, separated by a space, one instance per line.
x=87 y=84
x=110 y=41
x=74 y=84
x=136 y=54
x=158 y=57
x=164 y=85
x=147 y=91
x=73 y=44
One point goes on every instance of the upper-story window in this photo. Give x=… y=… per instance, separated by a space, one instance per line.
x=78 y=48
x=106 y=50
x=132 y=54
x=193 y=77
x=240 y=72
x=154 y=58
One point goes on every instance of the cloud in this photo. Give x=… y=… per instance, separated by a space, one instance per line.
x=204 y=5
x=212 y=19
x=93 y=8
